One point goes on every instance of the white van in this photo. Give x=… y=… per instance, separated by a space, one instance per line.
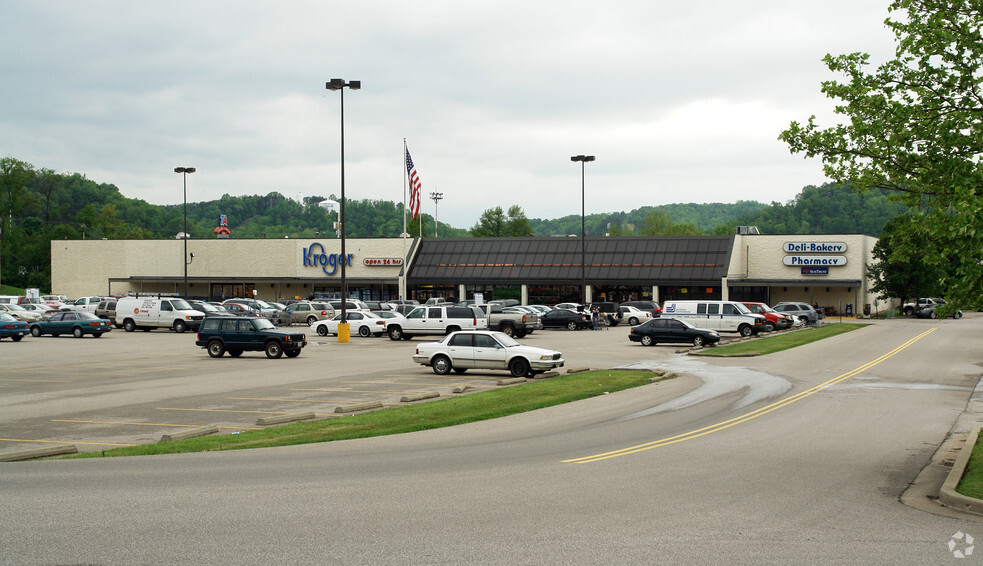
x=147 y=313
x=722 y=316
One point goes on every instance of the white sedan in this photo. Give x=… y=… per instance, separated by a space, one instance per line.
x=484 y=349
x=363 y=323
x=635 y=315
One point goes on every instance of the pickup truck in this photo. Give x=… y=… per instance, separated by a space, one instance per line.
x=434 y=320
x=910 y=308
x=86 y=304
x=510 y=323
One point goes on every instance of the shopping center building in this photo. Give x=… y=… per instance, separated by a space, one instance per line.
x=828 y=270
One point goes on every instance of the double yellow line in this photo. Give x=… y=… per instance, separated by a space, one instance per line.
x=747 y=416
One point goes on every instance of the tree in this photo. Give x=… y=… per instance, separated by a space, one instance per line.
x=495 y=224
x=900 y=268
x=658 y=223
x=914 y=126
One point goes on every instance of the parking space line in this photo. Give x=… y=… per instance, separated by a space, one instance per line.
x=147 y=424
x=223 y=411
x=64 y=442
x=40 y=380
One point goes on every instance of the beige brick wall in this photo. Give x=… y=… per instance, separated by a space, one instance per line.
x=84 y=267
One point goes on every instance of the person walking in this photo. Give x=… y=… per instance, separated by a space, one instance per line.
x=594 y=314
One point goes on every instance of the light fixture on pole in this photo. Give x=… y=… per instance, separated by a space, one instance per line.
x=340 y=84
x=437 y=197
x=184 y=235
x=583 y=159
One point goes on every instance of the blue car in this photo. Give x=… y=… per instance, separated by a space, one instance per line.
x=10 y=326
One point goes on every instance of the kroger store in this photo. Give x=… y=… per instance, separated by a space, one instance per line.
x=828 y=270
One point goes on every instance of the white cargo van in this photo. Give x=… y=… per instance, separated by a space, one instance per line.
x=722 y=316
x=147 y=313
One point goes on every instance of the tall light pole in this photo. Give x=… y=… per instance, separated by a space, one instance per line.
x=583 y=159
x=436 y=198
x=340 y=84
x=184 y=235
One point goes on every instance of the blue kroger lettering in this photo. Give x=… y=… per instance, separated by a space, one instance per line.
x=316 y=255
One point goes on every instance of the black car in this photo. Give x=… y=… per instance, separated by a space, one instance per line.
x=562 y=318
x=671 y=330
x=237 y=334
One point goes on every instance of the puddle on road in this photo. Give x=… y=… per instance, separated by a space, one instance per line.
x=717 y=381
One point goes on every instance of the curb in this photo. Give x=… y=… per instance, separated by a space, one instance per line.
x=948 y=495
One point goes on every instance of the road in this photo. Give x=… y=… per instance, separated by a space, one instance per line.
x=803 y=460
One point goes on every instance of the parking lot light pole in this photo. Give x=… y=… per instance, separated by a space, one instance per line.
x=340 y=84
x=583 y=159
x=184 y=235
x=437 y=197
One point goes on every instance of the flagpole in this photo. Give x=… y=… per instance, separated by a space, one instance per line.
x=402 y=283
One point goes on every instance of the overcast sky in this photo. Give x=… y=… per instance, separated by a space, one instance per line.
x=678 y=101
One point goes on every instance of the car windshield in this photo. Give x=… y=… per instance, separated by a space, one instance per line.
x=262 y=324
x=505 y=340
x=742 y=309
x=14 y=307
x=181 y=305
x=205 y=307
x=263 y=305
x=766 y=308
x=685 y=323
x=6 y=317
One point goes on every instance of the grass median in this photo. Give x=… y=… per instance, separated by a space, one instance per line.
x=473 y=407
x=771 y=343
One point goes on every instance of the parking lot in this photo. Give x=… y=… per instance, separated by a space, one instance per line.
x=132 y=388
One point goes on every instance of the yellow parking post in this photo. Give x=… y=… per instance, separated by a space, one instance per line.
x=344 y=333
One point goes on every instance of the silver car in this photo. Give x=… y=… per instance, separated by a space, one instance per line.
x=801 y=311
x=309 y=312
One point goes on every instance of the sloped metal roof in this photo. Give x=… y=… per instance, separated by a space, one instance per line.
x=690 y=259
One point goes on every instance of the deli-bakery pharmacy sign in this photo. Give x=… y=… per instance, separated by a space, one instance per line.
x=810 y=255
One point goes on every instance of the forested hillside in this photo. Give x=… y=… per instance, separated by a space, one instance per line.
x=38 y=205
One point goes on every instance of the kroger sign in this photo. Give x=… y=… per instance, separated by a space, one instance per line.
x=315 y=256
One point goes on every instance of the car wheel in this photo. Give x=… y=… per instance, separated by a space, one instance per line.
x=235 y=352
x=273 y=350
x=571 y=325
x=395 y=333
x=292 y=353
x=521 y=334
x=460 y=370
x=311 y=320
x=17 y=338
x=699 y=341
x=957 y=315
x=441 y=365
x=647 y=341
x=180 y=326
x=322 y=330
x=364 y=331
x=215 y=349
x=129 y=325
x=508 y=330
x=909 y=311
x=633 y=321
x=146 y=329
x=35 y=331
x=745 y=330
x=605 y=321
x=519 y=367
x=769 y=327
x=77 y=332
x=96 y=334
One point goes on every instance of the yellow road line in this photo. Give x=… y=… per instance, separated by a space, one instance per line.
x=223 y=411
x=64 y=442
x=747 y=416
x=149 y=424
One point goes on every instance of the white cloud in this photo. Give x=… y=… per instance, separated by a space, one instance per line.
x=679 y=102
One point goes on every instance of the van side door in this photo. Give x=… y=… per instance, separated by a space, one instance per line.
x=731 y=319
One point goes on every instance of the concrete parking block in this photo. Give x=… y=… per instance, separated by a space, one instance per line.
x=462 y=388
x=38 y=453
x=419 y=397
x=289 y=418
x=357 y=407
x=189 y=433
x=511 y=381
x=577 y=370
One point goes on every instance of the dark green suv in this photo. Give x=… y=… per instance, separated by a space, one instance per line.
x=236 y=334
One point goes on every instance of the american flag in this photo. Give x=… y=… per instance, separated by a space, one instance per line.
x=414 y=185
